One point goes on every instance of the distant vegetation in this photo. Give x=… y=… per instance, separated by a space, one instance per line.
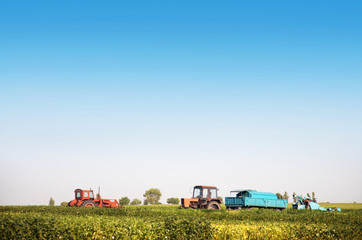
x=173 y=200
x=136 y=202
x=284 y=196
x=51 y=202
x=152 y=196
x=124 y=201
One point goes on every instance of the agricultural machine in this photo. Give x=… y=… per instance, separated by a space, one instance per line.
x=203 y=197
x=307 y=203
x=250 y=198
x=85 y=198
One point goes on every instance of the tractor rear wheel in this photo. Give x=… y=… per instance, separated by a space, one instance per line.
x=213 y=205
x=88 y=203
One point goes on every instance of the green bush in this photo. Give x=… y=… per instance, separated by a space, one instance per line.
x=188 y=228
x=173 y=200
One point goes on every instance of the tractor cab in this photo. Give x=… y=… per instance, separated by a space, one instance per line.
x=205 y=192
x=84 y=194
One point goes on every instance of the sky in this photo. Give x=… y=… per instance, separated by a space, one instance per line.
x=133 y=95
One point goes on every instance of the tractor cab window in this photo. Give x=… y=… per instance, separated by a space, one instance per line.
x=85 y=194
x=91 y=195
x=213 y=193
x=243 y=194
x=197 y=193
x=77 y=195
x=206 y=193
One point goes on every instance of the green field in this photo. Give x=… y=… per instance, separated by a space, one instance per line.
x=169 y=222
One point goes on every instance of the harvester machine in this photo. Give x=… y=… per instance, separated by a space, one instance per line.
x=307 y=203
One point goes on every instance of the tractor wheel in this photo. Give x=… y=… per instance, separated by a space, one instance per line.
x=88 y=203
x=213 y=205
x=69 y=204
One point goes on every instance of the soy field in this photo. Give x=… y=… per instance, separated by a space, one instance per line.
x=170 y=222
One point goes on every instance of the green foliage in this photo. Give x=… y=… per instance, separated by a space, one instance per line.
x=286 y=196
x=173 y=200
x=124 y=201
x=51 y=202
x=64 y=204
x=188 y=228
x=169 y=222
x=136 y=202
x=152 y=196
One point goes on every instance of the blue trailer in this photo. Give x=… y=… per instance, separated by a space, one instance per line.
x=252 y=198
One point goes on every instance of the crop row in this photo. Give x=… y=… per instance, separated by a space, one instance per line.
x=347 y=217
x=163 y=222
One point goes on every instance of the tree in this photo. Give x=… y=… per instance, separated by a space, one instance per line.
x=279 y=196
x=136 y=202
x=313 y=197
x=286 y=196
x=294 y=197
x=173 y=200
x=152 y=196
x=51 y=202
x=124 y=201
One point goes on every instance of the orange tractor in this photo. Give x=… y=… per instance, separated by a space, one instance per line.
x=85 y=198
x=203 y=197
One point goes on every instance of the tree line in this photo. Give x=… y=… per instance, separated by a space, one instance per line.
x=151 y=197
x=286 y=196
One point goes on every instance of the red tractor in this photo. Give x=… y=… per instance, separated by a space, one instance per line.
x=85 y=198
x=203 y=197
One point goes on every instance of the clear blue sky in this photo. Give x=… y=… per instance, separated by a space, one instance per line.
x=128 y=96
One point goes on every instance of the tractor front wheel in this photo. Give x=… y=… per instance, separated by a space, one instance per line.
x=213 y=205
x=88 y=203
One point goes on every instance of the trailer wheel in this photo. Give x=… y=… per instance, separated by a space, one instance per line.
x=88 y=203
x=213 y=205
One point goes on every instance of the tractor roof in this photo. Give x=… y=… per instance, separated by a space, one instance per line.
x=204 y=186
x=241 y=190
x=78 y=189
